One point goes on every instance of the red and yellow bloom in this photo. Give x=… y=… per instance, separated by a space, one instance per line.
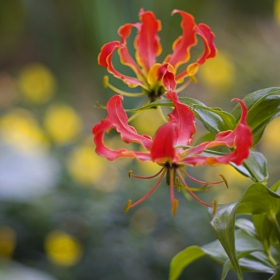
x=157 y=78
x=170 y=147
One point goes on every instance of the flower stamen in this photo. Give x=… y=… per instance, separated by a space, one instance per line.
x=191 y=192
x=130 y=174
x=203 y=182
x=183 y=86
x=130 y=204
x=224 y=179
x=127 y=206
x=129 y=94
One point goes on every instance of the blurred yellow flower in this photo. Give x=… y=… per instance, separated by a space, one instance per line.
x=148 y=167
x=62 y=123
x=7 y=241
x=218 y=73
x=270 y=142
x=37 y=83
x=277 y=11
x=147 y=122
x=62 y=248
x=20 y=129
x=85 y=166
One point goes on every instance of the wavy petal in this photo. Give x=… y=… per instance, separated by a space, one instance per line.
x=162 y=149
x=178 y=131
x=117 y=119
x=147 y=43
x=184 y=118
x=162 y=74
x=126 y=59
x=208 y=37
x=181 y=47
x=240 y=139
x=105 y=60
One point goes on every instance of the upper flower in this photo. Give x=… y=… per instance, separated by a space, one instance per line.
x=171 y=146
x=155 y=78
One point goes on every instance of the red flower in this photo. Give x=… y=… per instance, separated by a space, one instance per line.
x=155 y=78
x=170 y=147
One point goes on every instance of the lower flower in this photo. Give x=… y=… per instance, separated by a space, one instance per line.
x=171 y=146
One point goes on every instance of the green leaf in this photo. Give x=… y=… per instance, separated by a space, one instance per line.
x=250 y=203
x=214 y=119
x=276 y=276
x=247 y=226
x=263 y=106
x=167 y=103
x=254 y=247
x=182 y=259
x=254 y=167
x=257 y=200
x=223 y=225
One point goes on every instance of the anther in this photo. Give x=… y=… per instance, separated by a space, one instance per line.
x=174 y=207
x=105 y=81
x=130 y=173
x=127 y=206
x=224 y=179
x=99 y=105
x=214 y=206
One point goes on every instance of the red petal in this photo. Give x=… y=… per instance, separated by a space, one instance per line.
x=147 y=43
x=178 y=131
x=207 y=36
x=105 y=59
x=117 y=119
x=240 y=139
x=184 y=118
x=165 y=73
x=162 y=149
x=181 y=47
x=126 y=59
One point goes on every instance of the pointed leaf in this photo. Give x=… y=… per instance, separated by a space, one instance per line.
x=223 y=225
x=276 y=275
x=182 y=259
x=254 y=167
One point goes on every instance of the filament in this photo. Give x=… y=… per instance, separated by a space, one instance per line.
x=130 y=174
x=130 y=94
x=191 y=192
x=161 y=114
x=150 y=191
x=203 y=182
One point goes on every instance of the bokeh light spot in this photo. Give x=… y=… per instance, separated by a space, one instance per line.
x=218 y=73
x=62 y=248
x=277 y=11
x=19 y=129
x=270 y=142
x=37 y=83
x=147 y=122
x=62 y=123
x=85 y=166
x=7 y=241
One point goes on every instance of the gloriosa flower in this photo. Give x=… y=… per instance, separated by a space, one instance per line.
x=170 y=147
x=157 y=78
